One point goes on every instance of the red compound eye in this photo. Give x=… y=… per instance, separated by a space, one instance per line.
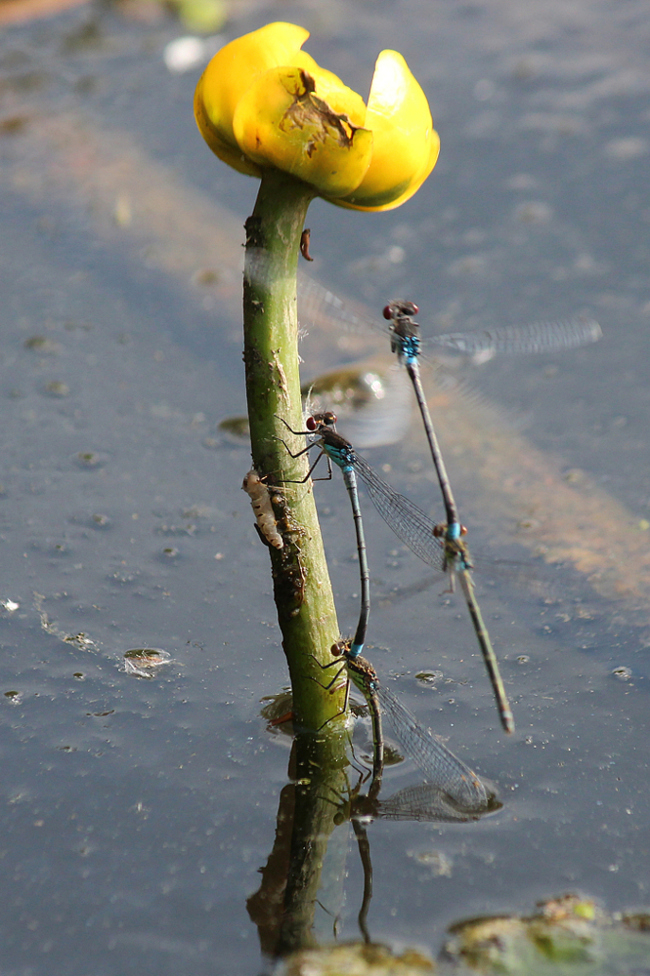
x=311 y=423
x=400 y=309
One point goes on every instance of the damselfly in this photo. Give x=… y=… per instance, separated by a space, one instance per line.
x=349 y=477
x=414 y=528
x=538 y=337
x=439 y=765
x=406 y=342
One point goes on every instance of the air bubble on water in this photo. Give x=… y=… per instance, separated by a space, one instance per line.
x=143 y=661
x=622 y=673
x=429 y=677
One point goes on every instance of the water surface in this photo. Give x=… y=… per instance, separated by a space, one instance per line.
x=139 y=811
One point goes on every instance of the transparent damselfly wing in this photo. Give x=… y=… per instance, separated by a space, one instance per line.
x=316 y=302
x=441 y=768
x=431 y=755
x=429 y=804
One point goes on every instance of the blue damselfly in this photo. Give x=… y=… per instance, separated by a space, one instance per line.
x=413 y=527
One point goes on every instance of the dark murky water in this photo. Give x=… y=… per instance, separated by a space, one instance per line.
x=138 y=811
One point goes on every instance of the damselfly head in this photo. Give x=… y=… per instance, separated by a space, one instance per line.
x=396 y=310
x=326 y=419
x=336 y=650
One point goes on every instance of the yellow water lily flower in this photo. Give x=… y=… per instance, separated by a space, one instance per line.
x=263 y=102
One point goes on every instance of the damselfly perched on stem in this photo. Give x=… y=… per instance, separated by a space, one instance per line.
x=413 y=527
x=439 y=765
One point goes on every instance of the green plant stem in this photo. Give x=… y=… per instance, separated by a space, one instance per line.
x=302 y=588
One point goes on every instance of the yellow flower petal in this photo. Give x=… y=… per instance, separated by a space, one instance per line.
x=281 y=121
x=237 y=65
x=262 y=102
x=406 y=145
x=229 y=153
